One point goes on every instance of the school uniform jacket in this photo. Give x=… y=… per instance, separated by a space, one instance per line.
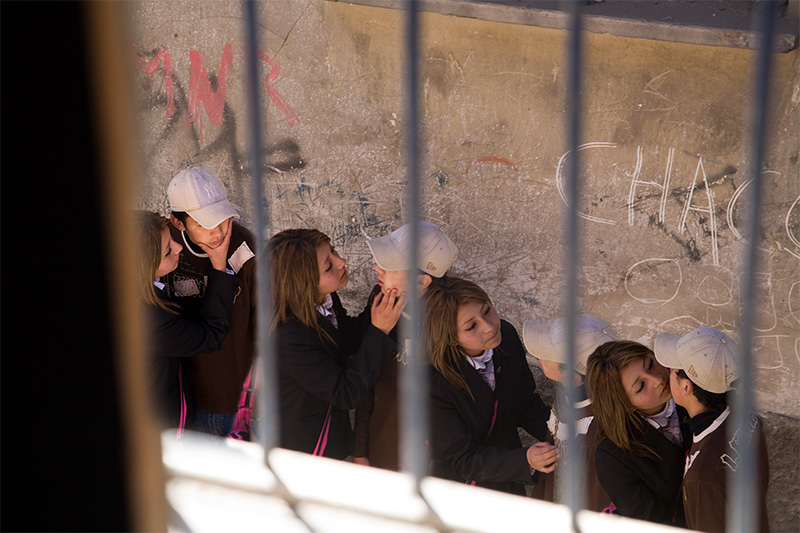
x=645 y=487
x=315 y=373
x=459 y=446
x=174 y=337
x=710 y=464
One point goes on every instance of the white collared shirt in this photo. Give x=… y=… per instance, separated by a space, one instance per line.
x=484 y=365
x=326 y=310
x=667 y=423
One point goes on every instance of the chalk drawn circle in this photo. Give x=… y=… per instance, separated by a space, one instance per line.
x=797 y=349
x=714 y=291
x=645 y=276
x=794 y=292
x=788 y=224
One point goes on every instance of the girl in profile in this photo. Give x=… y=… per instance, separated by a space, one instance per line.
x=326 y=362
x=173 y=335
x=641 y=445
x=481 y=391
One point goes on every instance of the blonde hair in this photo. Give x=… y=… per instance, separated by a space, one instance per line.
x=617 y=419
x=440 y=325
x=150 y=227
x=294 y=274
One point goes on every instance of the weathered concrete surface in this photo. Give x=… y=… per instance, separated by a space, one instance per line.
x=783 y=447
x=664 y=164
x=706 y=22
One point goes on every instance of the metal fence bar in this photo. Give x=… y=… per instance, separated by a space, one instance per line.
x=572 y=473
x=743 y=509
x=413 y=382
x=268 y=429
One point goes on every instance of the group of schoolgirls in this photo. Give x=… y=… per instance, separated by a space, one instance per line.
x=650 y=425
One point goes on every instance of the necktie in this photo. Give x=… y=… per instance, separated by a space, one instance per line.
x=326 y=309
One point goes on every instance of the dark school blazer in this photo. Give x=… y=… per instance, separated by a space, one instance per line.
x=459 y=448
x=315 y=373
x=647 y=488
x=174 y=337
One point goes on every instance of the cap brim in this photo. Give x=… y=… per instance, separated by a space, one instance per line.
x=213 y=215
x=386 y=254
x=666 y=349
x=536 y=337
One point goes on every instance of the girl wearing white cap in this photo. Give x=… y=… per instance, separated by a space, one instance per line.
x=703 y=366
x=376 y=426
x=321 y=375
x=481 y=391
x=641 y=445
x=546 y=340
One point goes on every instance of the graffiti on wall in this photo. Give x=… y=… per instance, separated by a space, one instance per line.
x=657 y=281
x=664 y=233
x=201 y=91
x=205 y=99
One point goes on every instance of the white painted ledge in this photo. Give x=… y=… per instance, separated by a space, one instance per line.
x=224 y=485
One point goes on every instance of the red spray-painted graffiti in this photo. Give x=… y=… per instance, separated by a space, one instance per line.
x=269 y=82
x=200 y=90
x=494 y=159
x=150 y=67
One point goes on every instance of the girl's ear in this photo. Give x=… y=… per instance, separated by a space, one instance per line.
x=423 y=280
x=177 y=223
x=687 y=387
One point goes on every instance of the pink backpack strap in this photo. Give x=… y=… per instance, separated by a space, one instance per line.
x=242 y=423
x=246 y=398
x=322 y=442
x=491 y=427
x=182 y=419
x=494 y=419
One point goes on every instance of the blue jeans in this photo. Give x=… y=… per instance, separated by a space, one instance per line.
x=213 y=423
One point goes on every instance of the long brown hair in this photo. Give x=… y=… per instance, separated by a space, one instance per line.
x=440 y=325
x=617 y=419
x=294 y=274
x=149 y=228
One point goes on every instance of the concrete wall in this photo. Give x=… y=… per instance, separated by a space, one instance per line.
x=664 y=162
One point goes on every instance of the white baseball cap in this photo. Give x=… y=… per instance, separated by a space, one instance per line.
x=546 y=339
x=436 y=251
x=199 y=193
x=708 y=356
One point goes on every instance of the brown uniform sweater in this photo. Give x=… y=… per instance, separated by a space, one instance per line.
x=713 y=456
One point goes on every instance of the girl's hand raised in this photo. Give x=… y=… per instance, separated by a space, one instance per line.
x=543 y=457
x=386 y=310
